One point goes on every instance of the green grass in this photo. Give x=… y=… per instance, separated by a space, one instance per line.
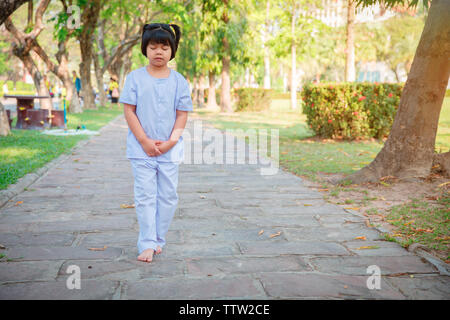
x=422 y=222
x=25 y=151
x=300 y=153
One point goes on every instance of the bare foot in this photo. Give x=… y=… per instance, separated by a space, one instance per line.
x=146 y=255
x=158 y=250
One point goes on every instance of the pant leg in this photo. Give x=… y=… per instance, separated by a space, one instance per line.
x=145 y=191
x=167 y=199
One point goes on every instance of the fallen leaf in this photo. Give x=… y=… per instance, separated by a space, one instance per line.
x=352 y=208
x=361 y=238
x=275 y=234
x=18 y=202
x=261 y=232
x=126 y=206
x=408 y=223
x=307 y=205
x=235 y=188
x=444 y=184
x=202 y=197
x=367 y=247
x=2 y=246
x=322 y=190
x=98 y=249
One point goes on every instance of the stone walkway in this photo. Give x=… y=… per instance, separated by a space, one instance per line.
x=214 y=250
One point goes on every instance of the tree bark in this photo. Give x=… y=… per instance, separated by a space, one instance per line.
x=409 y=150
x=201 y=92
x=225 y=92
x=212 y=102
x=293 y=61
x=99 y=77
x=350 y=46
x=4 y=123
x=7 y=7
x=89 y=18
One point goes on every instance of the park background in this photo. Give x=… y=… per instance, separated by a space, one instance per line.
x=250 y=64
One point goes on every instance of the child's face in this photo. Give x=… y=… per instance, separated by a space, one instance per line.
x=158 y=54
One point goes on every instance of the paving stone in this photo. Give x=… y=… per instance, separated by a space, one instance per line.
x=314 y=257
x=29 y=271
x=57 y=290
x=423 y=287
x=60 y=253
x=299 y=247
x=358 y=265
x=385 y=248
x=231 y=235
x=106 y=223
x=194 y=289
x=294 y=285
x=36 y=239
x=277 y=221
x=236 y=265
x=123 y=238
x=329 y=234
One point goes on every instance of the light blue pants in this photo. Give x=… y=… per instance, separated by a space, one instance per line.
x=155 y=198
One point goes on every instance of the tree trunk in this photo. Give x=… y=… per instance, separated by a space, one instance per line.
x=99 y=77
x=89 y=18
x=4 y=123
x=7 y=7
x=293 y=63
x=37 y=79
x=350 y=46
x=201 y=92
x=409 y=150
x=266 y=49
x=212 y=102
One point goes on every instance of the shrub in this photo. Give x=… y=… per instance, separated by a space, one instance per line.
x=351 y=110
x=252 y=99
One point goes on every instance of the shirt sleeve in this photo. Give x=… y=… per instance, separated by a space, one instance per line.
x=184 y=102
x=129 y=94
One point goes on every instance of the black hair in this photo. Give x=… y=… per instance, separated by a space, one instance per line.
x=161 y=33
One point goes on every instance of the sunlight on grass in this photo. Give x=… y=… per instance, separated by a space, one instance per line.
x=303 y=156
x=8 y=154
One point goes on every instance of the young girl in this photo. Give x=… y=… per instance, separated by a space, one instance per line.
x=156 y=101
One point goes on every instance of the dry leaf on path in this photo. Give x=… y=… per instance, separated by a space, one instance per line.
x=361 y=238
x=18 y=202
x=125 y=206
x=367 y=247
x=98 y=249
x=261 y=232
x=275 y=234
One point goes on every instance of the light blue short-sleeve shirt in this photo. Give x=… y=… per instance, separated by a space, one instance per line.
x=156 y=101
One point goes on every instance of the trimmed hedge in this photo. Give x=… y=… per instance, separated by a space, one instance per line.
x=351 y=110
x=252 y=99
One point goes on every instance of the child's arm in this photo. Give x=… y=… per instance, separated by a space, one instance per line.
x=177 y=131
x=148 y=144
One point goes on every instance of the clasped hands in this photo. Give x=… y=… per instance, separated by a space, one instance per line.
x=154 y=148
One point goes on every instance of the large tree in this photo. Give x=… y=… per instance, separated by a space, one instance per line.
x=409 y=150
x=89 y=16
x=23 y=44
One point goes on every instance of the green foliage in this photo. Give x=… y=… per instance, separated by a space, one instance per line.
x=25 y=151
x=252 y=99
x=391 y=3
x=351 y=110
